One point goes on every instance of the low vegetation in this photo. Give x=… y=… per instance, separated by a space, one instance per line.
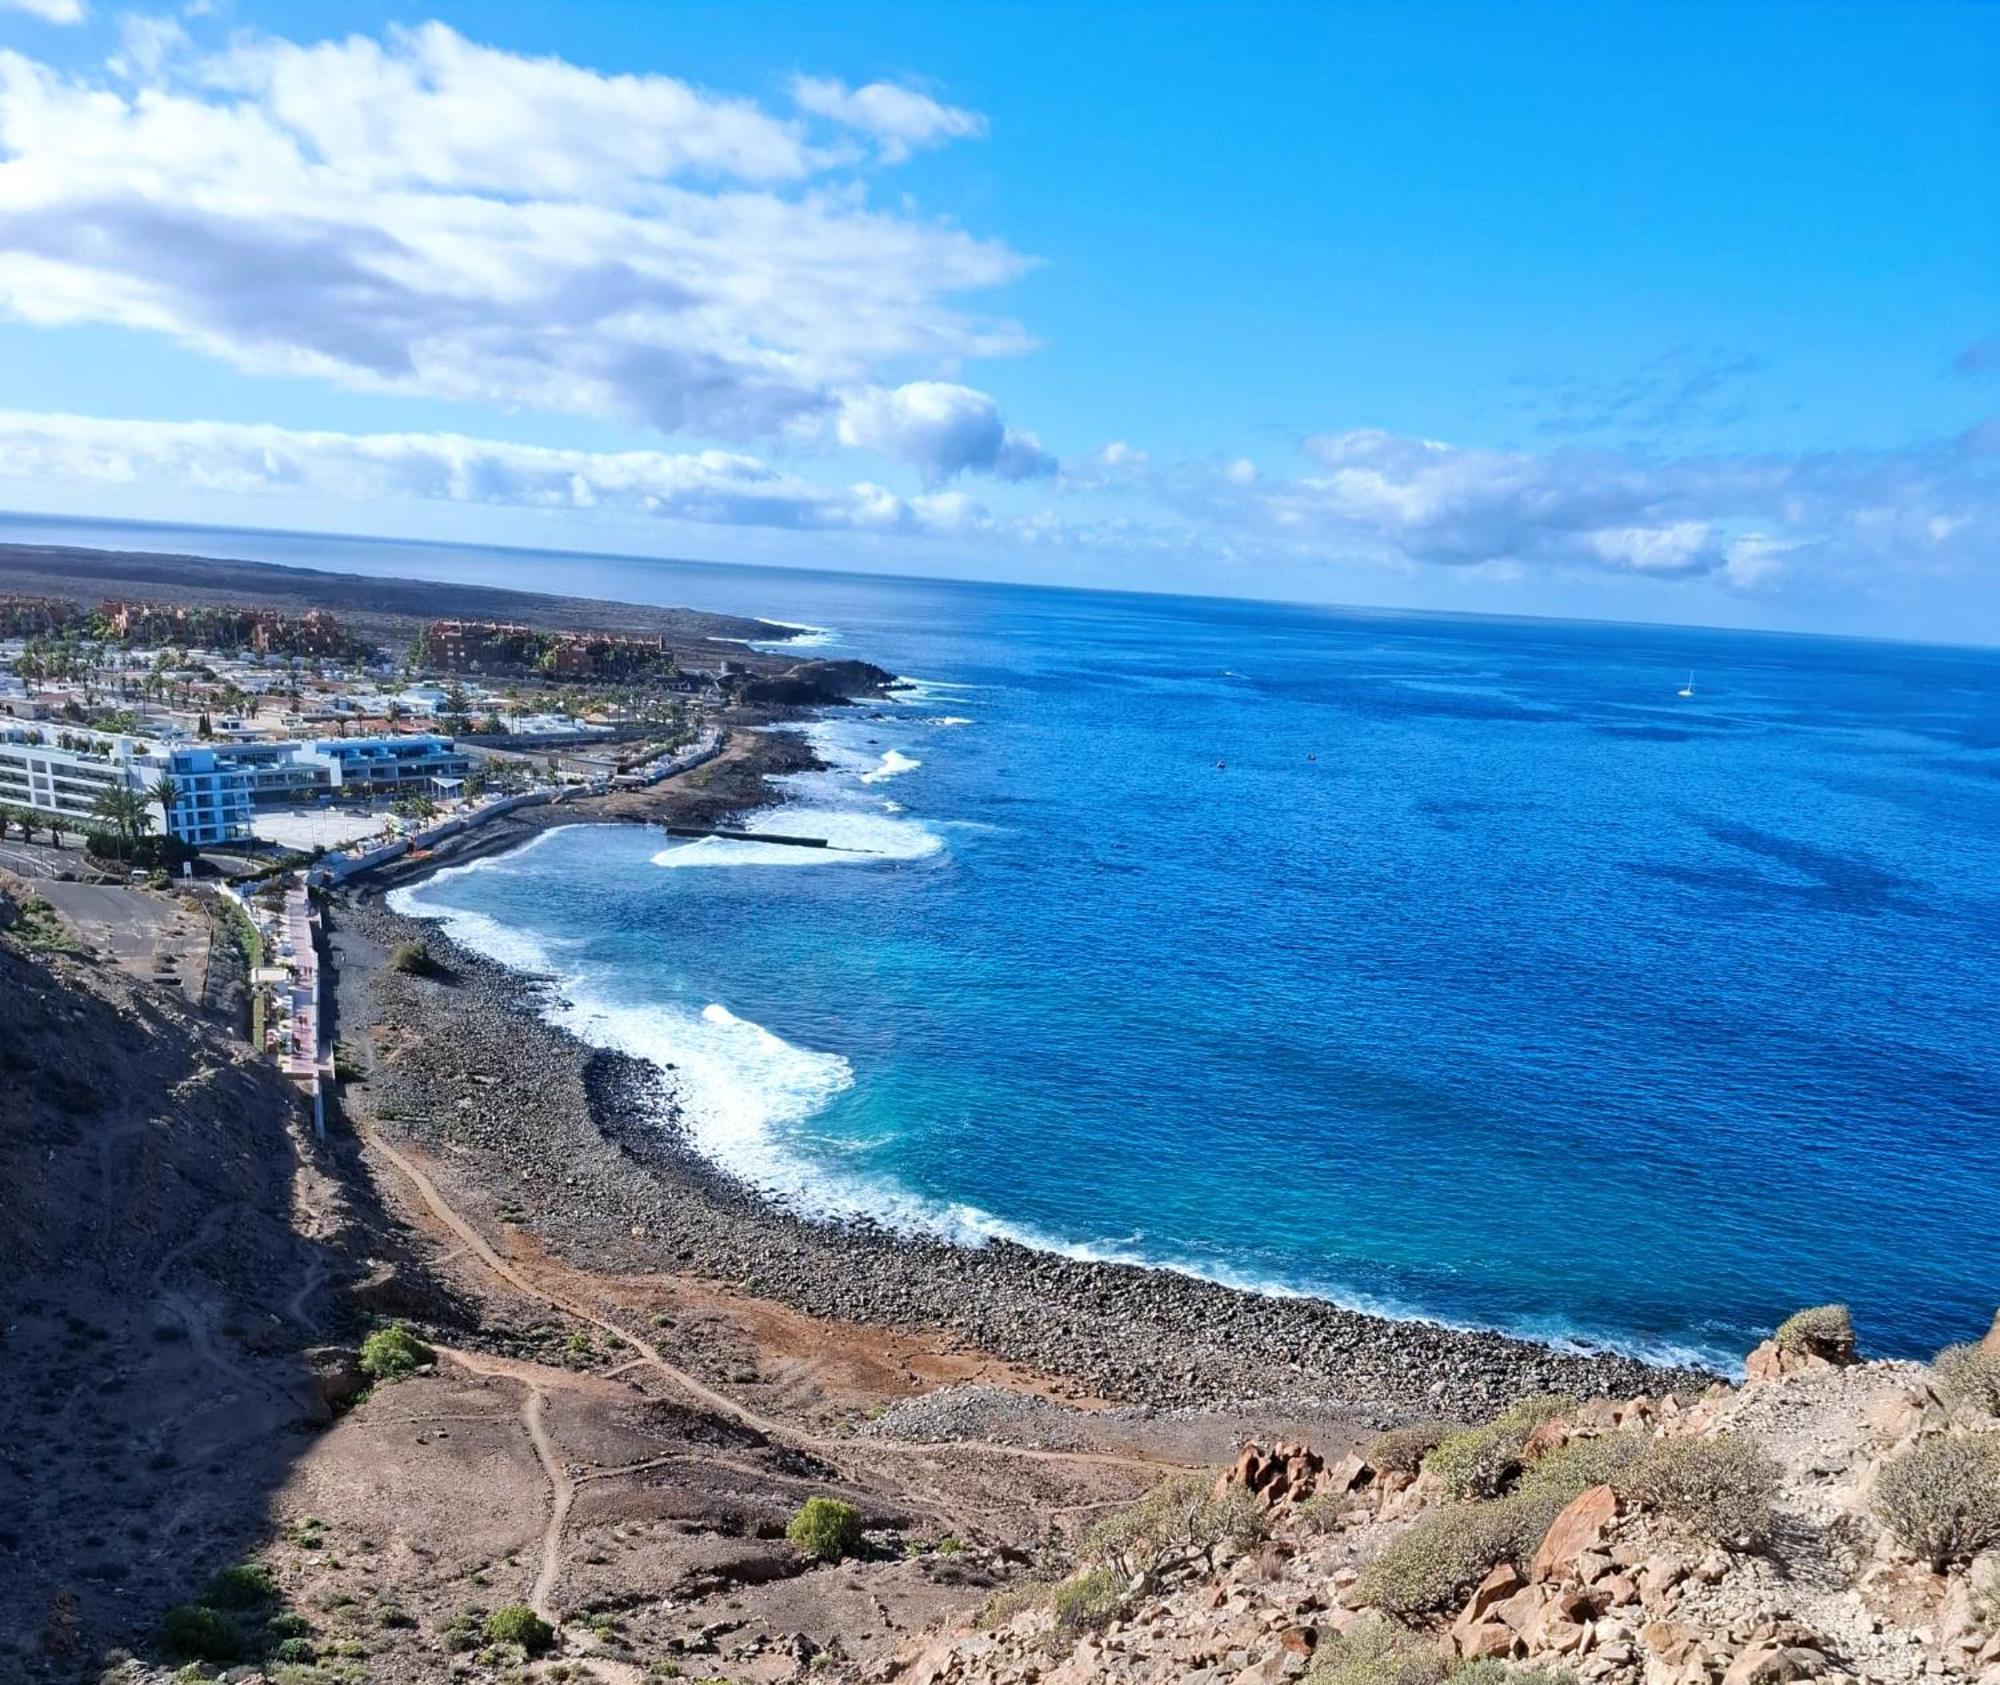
x=200 y=1634
x=1403 y=1450
x=1707 y=1491
x=1819 y=1331
x=1181 y=1524
x=248 y=1585
x=1478 y=1462
x=826 y=1528
x=1377 y=1652
x=413 y=959
x=1437 y=1562
x=1970 y=1375
x=1941 y=1499
x=394 y=1354
x=516 y=1623
x=1087 y=1600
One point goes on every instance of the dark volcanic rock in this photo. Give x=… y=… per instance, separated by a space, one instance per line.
x=819 y=684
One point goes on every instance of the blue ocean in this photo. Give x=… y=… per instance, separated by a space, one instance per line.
x=1456 y=968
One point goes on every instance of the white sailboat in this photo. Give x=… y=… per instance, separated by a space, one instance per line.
x=1688 y=688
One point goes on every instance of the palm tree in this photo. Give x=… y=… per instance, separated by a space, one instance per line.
x=166 y=792
x=125 y=812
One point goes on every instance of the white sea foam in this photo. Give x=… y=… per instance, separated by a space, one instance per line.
x=894 y=764
x=909 y=690
x=746 y=1099
x=853 y=836
x=948 y=719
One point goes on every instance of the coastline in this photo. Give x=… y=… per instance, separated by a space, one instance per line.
x=593 y=1168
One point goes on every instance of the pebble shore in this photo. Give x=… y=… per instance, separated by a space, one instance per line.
x=582 y=1147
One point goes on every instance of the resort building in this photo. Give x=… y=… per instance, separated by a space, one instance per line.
x=420 y=763
x=64 y=775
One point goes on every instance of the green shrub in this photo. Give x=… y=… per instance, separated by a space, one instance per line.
x=516 y=1623
x=1575 y=1466
x=286 y=1624
x=1377 y=1652
x=1707 y=1491
x=1402 y=1450
x=826 y=1528
x=1970 y=1375
x=1177 y=1525
x=1437 y=1562
x=293 y=1650
x=244 y=1586
x=1820 y=1331
x=413 y=959
x=1478 y=1462
x=1088 y=1599
x=394 y=1353
x=1941 y=1499
x=200 y=1633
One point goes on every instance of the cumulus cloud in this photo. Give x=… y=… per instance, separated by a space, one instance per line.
x=1745 y=519
x=49 y=11
x=710 y=486
x=941 y=430
x=900 y=120
x=421 y=214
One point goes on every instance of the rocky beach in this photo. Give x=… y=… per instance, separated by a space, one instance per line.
x=583 y=1148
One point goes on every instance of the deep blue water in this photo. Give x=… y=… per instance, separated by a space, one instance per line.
x=1540 y=999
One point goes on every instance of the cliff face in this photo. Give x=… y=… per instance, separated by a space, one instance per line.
x=1826 y=1520
x=147 y=1171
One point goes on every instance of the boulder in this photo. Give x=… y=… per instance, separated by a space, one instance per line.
x=1499 y=1585
x=1770 y=1663
x=1991 y=1343
x=1584 y=1525
x=1669 y=1640
x=1547 y=1436
x=334 y=1375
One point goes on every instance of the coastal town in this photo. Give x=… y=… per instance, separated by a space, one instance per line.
x=245 y=758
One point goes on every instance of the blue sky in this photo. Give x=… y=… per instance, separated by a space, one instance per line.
x=1672 y=312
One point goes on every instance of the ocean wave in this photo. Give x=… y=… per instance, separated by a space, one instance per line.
x=909 y=690
x=948 y=719
x=894 y=764
x=746 y=1100
x=853 y=836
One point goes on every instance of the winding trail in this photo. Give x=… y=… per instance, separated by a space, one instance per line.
x=844 y=1457
x=540 y=1599
x=838 y=1452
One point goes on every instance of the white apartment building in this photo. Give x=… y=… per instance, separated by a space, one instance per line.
x=64 y=774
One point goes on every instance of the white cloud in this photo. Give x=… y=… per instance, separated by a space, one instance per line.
x=1749 y=521
x=423 y=215
x=942 y=430
x=900 y=120
x=713 y=487
x=49 y=11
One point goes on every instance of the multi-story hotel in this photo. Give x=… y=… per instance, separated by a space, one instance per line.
x=65 y=774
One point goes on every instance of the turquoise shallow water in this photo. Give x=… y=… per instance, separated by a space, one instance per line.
x=1489 y=979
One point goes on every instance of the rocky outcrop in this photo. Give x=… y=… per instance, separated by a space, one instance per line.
x=818 y=684
x=1621 y=1587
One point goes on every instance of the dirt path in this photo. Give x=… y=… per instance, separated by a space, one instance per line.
x=839 y=1452
x=562 y=1490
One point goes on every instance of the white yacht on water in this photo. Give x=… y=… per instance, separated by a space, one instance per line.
x=1688 y=688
